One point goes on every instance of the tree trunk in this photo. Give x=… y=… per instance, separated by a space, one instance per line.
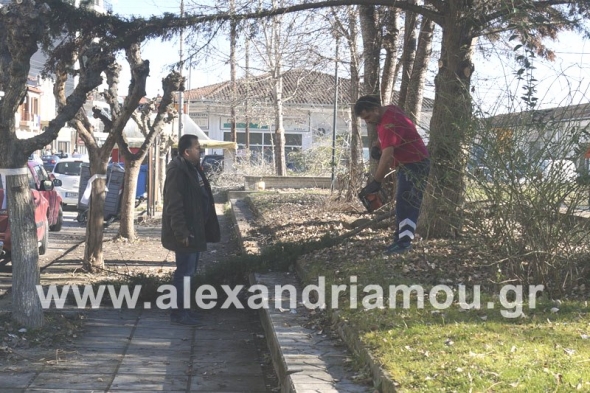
x=93 y=255
x=416 y=87
x=451 y=118
x=279 y=137
x=356 y=141
x=390 y=63
x=126 y=226
x=159 y=197
x=408 y=55
x=232 y=65
x=26 y=306
x=372 y=48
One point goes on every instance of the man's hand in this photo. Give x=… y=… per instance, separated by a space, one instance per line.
x=371 y=188
x=376 y=153
x=185 y=242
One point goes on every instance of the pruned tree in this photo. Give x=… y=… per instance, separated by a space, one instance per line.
x=99 y=155
x=23 y=27
x=151 y=128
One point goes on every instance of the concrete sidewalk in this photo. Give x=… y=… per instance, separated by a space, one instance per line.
x=304 y=359
x=140 y=351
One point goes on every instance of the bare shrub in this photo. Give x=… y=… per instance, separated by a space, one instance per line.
x=526 y=199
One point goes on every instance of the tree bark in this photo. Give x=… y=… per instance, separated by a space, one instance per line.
x=416 y=87
x=126 y=226
x=389 y=74
x=93 y=255
x=408 y=55
x=451 y=118
x=26 y=306
x=232 y=64
x=279 y=136
x=372 y=47
x=172 y=83
x=356 y=140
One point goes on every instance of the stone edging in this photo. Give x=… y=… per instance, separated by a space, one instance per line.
x=381 y=378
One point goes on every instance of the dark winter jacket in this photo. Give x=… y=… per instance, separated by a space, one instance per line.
x=182 y=216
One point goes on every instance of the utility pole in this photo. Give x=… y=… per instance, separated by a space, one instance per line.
x=232 y=65
x=181 y=93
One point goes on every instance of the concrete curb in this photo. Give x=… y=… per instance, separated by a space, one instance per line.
x=303 y=361
x=381 y=379
x=306 y=360
x=241 y=217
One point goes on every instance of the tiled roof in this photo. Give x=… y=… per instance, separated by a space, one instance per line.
x=559 y=114
x=300 y=87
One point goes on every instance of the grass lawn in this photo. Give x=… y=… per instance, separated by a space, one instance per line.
x=502 y=345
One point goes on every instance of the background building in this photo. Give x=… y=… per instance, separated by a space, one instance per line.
x=308 y=110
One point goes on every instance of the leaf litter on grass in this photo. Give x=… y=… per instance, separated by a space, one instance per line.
x=426 y=349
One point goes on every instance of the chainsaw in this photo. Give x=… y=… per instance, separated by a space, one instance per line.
x=374 y=201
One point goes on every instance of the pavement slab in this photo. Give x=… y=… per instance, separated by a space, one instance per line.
x=113 y=357
x=305 y=361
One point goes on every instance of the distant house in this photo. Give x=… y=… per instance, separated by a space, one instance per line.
x=308 y=109
x=555 y=133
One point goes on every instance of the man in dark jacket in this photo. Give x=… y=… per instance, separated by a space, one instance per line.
x=189 y=220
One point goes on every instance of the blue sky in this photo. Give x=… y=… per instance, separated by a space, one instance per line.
x=563 y=82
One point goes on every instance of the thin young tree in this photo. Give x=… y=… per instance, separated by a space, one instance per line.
x=390 y=45
x=415 y=92
x=151 y=129
x=346 y=24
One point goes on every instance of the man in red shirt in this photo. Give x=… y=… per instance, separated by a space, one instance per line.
x=401 y=148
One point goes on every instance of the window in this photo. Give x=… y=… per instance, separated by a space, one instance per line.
x=41 y=173
x=68 y=168
x=241 y=137
x=293 y=139
x=268 y=139
x=255 y=138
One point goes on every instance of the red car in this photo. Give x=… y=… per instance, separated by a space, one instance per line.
x=48 y=212
x=54 y=213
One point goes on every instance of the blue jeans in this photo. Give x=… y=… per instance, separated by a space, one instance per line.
x=186 y=266
x=411 y=183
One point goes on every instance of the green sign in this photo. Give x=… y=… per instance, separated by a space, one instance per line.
x=242 y=126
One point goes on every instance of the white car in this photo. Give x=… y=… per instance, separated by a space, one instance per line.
x=558 y=170
x=68 y=171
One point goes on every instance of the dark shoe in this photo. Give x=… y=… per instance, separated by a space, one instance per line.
x=397 y=248
x=184 y=319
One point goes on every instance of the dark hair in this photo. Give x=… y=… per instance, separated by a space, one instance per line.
x=185 y=142
x=366 y=103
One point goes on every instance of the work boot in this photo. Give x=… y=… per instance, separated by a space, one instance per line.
x=397 y=248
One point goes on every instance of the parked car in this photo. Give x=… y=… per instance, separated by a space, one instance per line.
x=35 y=157
x=212 y=164
x=68 y=171
x=558 y=170
x=47 y=205
x=50 y=161
x=55 y=213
